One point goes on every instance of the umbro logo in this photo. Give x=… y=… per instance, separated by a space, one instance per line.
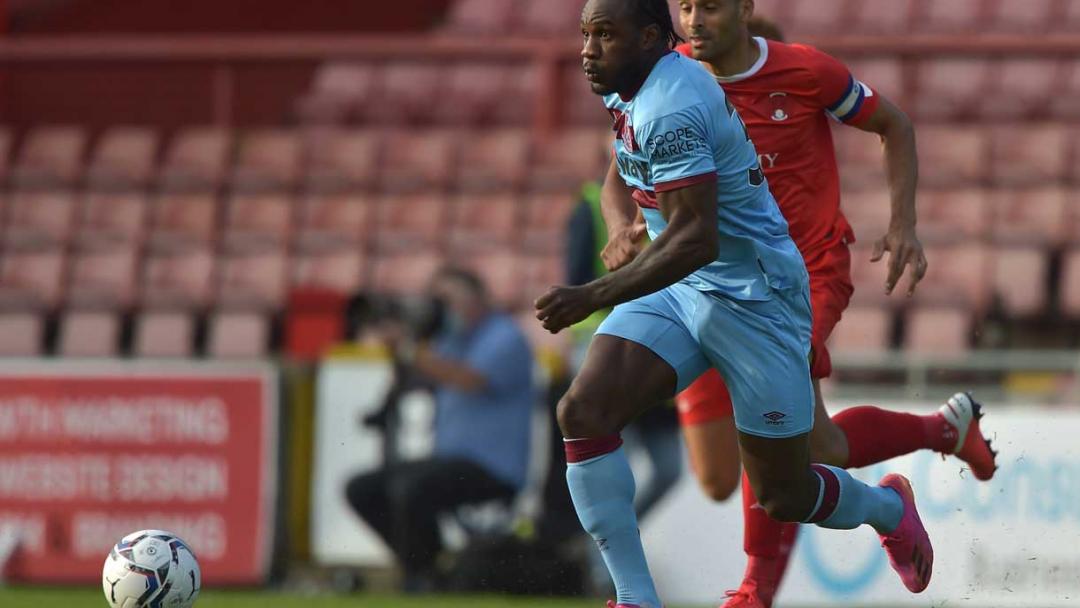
x=775 y=418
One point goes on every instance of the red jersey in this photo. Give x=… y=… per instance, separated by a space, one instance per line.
x=786 y=100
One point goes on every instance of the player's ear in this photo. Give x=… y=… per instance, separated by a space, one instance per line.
x=746 y=10
x=650 y=36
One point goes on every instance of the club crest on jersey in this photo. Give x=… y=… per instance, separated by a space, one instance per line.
x=624 y=129
x=779 y=103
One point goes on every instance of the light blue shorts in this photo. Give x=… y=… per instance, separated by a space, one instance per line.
x=761 y=349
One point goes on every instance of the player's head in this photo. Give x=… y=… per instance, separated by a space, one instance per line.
x=464 y=295
x=622 y=40
x=715 y=27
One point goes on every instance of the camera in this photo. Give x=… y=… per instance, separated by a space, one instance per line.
x=422 y=316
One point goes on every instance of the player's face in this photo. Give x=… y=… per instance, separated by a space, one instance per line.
x=611 y=52
x=713 y=26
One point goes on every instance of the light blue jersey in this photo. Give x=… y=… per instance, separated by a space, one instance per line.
x=678 y=130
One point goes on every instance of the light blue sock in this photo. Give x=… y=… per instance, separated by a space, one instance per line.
x=845 y=502
x=603 y=493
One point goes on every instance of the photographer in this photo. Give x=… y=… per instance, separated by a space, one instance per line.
x=480 y=369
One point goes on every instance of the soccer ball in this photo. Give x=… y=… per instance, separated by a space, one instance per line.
x=151 y=569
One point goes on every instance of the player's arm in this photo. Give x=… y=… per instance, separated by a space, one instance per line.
x=902 y=170
x=625 y=226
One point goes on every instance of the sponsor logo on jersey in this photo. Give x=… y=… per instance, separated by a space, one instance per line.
x=768 y=161
x=675 y=142
x=775 y=418
x=779 y=104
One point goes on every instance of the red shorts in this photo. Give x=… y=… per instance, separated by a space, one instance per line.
x=830 y=291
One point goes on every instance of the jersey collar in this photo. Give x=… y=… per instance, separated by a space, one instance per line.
x=763 y=56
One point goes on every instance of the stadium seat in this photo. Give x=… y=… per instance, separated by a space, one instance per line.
x=335 y=220
x=948 y=216
x=862 y=330
x=1023 y=16
x=112 y=218
x=1065 y=102
x=182 y=277
x=253 y=279
x=102 y=277
x=817 y=17
x=472 y=93
x=480 y=16
x=238 y=335
x=957 y=275
x=952 y=16
x=1070 y=284
x=407 y=273
x=884 y=75
x=6 y=140
x=1020 y=280
x=39 y=218
x=1070 y=21
x=868 y=212
x=258 y=220
x=123 y=158
x=24 y=334
x=50 y=156
x=417 y=160
x=31 y=278
x=950 y=87
x=1023 y=88
x=338 y=91
x=892 y=17
x=569 y=158
x=314 y=322
x=493 y=160
x=341 y=159
x=501 y=273
x=522 y=91
x=546 y=223
x=164 y=333
x=183 y=219
x=484 y=223
x=89 y=333
x=1029 y=155
x=341 y=269
x=869 y=277
x=552 y=17
x=861 y=158
x=405 y=94
x=410 y=222
x=196 y=158
x=540 y=272
x=952 y=156
x=1034 y=216
x=939 y=332
x=580 y=106
x=267 y=159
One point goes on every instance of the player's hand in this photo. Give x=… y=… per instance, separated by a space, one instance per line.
x=562 y=307
x=623 y=245
x=904 y=250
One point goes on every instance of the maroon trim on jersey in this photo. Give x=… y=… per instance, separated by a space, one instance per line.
x=644 y=199
x=580 y=450
x=686 y=181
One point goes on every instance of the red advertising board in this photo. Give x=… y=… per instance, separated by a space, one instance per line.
x=91 y=452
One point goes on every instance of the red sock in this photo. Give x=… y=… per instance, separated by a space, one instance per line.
x=767 y=543
x=875 y=435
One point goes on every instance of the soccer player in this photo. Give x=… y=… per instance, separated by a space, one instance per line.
x=785 y=94
x=722 y=285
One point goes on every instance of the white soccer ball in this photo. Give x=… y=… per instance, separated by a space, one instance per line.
x=151 y=569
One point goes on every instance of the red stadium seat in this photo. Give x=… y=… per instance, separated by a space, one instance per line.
x=522 y=89
x=951 y=88
x=339 y=159
x=948 y=216
x=1071 y=20
x=1030 y=216
x=938 y=331
x=124 y=157
x=869 y=277
x=164 y=333
x=1023 y=88
x=582 y=107
x=180 y=277
x=406 y=94
x=407 y=273
x=480 y=16
x=472 y=93
x=957 y=275
x=862 y=330
x=183 y=219
x=546 y=223
x=569 y=158
x=258 y=220
x=51 y=156
x=338 y=91
x=89 y=333
x=1027 y=16
x=39 y=218
x=1070 y=284
x=868 y=212
x=540 y=272
x=892 y=17
x=952 y=16
x=483 y=223
x=238 y=335
x=554 y=17
x=109 y=218
x=952 y=156
x=197 y=157
x=268 y=159
x=343 y=270
x=411 y=222
x=24 y=334
x=6 y=140
x=102 y=277
x=1029 y=155
x=1065 y=101
x=883 y=75
x=253 y=279
x=335 y=220
x=501 y=274
x=31 y=278
x=860 y=157
x=493 y=160
x=418 y=160
x=314 y=322
x=1020 y=279
x=813 y=17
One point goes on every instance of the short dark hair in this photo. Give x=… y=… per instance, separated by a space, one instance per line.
x=648 y=12
x=465 y=277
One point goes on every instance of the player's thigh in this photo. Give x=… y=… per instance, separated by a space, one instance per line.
x=830 y=293
x=828 y=442
x=714 y=456
x=779 y=473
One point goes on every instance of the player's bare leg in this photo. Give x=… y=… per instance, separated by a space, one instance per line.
x=714 y=456
x=618 y=381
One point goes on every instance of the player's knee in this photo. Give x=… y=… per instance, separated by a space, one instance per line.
x=783 y=506
x=718 y=483
x=581 y=415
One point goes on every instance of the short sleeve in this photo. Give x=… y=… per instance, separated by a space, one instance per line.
x=842 y=95
x=678 y=150
x=502 y=356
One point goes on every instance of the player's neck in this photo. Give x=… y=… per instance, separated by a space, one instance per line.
x=650 y=65
x=738 y=60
